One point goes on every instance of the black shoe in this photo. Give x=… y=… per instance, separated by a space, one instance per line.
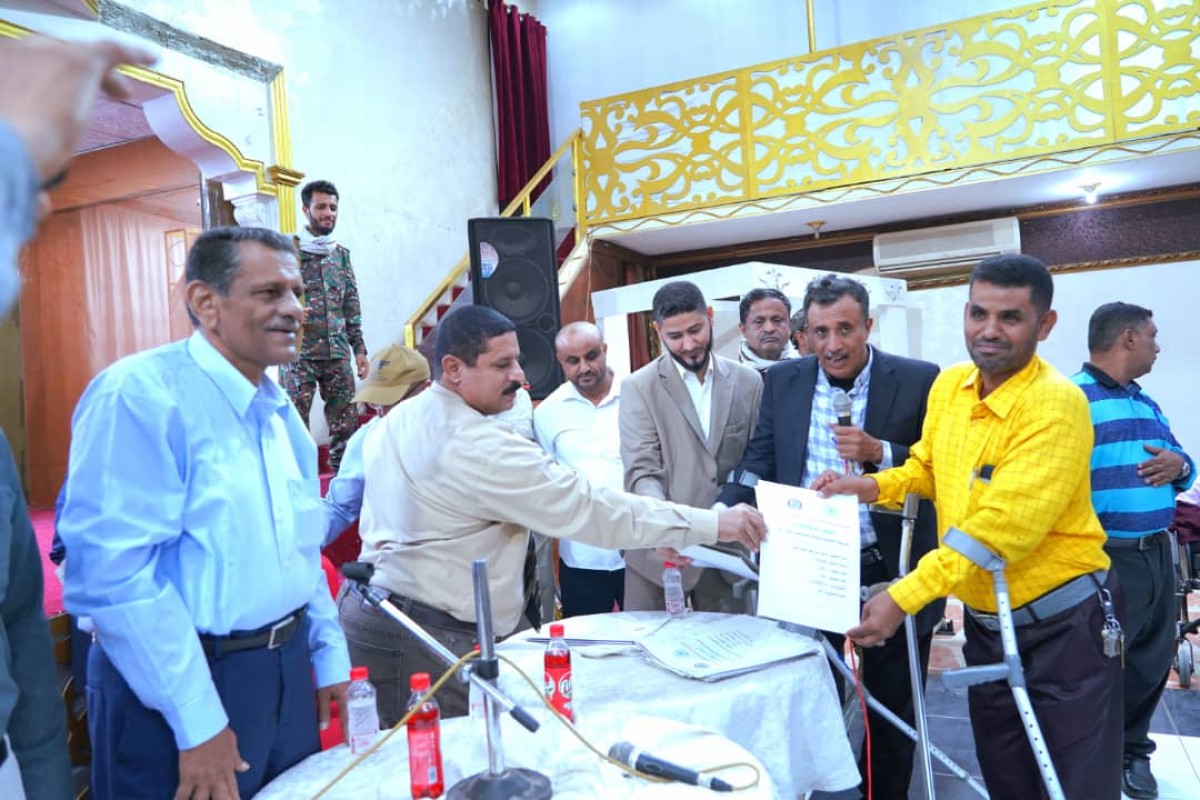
x=1137 y=780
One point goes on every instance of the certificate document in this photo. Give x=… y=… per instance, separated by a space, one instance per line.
x=809 y=564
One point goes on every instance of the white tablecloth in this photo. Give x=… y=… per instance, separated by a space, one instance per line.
x=574 y=772
x=786 y=715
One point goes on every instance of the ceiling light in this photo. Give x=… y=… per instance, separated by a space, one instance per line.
x=816 y=226
x=1089 y=192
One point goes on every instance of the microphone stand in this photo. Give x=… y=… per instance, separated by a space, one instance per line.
x=497 y=783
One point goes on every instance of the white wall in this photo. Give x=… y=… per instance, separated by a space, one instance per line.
x=392 y=102
x=1165 y=289
x=597 y=48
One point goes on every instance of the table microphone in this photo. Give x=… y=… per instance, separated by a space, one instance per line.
x=842 y=407
x=647 y=764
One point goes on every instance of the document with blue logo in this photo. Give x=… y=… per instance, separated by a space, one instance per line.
x=809 y=565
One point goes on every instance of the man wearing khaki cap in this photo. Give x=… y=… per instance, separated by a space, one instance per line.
x=397 y=373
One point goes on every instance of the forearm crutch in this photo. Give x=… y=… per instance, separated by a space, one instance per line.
x=1010 y=668
x=890 y=716
x=908 y=523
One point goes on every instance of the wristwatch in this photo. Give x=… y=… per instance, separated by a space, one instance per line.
x=1186 y=471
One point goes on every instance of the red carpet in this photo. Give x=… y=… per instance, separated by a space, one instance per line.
x=43 y=527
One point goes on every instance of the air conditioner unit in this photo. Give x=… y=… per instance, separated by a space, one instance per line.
x=938 y=252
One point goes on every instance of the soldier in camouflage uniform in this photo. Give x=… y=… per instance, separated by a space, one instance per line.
x=333 y=325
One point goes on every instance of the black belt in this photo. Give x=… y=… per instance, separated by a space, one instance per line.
x=871 y=554
x=1055 y=601
x=1136 y=542
x=270 y=636
x=3 y=750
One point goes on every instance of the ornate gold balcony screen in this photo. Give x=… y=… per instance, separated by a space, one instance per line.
x=1043 y=79
x=522 y=202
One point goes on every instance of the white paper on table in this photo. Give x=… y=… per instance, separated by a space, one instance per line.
x=737 y=644
x=809 y=564
x=702 y=556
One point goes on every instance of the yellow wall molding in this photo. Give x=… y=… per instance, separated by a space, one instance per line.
x=1098 y=155
x=1045 y=79
x=276 y=181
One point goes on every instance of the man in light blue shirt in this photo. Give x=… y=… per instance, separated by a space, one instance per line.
x=397 y=373
x=194 y=523
x=47 y=91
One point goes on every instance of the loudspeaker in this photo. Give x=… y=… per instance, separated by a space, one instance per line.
x=514 y=270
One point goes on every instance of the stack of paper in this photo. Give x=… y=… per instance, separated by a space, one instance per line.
x=710 y=650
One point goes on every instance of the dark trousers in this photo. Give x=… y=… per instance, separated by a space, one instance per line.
x=268 y=695
x=886 y=676
x=391 y=654
x=1148 y=580
x=1076 y=694
x=590 y=591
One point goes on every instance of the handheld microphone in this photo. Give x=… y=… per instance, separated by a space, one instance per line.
x=647 y=764
x=842 y=407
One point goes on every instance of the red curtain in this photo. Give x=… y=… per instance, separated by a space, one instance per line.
x=522 y=106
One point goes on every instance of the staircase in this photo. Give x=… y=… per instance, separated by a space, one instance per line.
x=454 y=289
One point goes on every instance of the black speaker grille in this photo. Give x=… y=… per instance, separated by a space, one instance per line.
x=514 y=270
x=518 y=288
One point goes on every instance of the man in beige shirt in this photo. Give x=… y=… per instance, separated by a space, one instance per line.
x=447 y=485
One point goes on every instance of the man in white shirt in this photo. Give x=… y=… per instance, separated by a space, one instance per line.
x=447 y=485
x=577 y=426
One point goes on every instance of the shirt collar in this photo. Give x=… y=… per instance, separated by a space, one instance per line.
x=684 y=371
x=1006 y=395
x=1104 y=379
x=862 y=380
x=238 y=390
x=614 y=393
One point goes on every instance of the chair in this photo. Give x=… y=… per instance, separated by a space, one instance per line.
x=79 y=746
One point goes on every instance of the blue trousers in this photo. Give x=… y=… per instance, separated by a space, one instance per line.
x=268 y=695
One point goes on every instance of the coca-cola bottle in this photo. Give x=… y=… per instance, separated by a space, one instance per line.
x=426 y=778
x=558 y=672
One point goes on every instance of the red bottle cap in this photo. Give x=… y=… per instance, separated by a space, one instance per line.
x=358 y=673
x=669 y=564
x=419 y=682
x=556 y=630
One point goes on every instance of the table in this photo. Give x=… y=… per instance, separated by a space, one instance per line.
x=575 y=773
x=787 y=715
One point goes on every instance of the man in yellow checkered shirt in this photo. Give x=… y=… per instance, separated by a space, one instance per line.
x=1005 y=454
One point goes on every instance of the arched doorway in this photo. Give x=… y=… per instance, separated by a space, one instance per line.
x=77 y=289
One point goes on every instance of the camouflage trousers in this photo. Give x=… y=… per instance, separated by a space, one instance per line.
x=336 y=378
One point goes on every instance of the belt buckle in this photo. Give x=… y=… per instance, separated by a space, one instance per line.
x=272 y=644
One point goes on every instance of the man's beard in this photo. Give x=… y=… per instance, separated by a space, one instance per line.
x=319 y=230
x=703 y=361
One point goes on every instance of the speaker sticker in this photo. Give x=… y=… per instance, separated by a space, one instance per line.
x=489 y=259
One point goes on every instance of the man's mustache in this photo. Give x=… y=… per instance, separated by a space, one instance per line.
x=512 y=388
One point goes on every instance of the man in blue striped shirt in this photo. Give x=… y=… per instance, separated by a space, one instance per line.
x=1137 y=469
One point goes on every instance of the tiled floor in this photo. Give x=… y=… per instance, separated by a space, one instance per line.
x=1175 y=728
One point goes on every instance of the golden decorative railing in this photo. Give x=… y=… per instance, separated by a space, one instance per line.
x=523 y=202
x=1045 y=78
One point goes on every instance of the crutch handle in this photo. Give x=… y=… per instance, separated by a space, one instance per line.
x=972 y=676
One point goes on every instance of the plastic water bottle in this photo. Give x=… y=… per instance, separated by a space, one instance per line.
x=362 y=715
x=673 y=590
x=558 y=673
x=426 y=778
